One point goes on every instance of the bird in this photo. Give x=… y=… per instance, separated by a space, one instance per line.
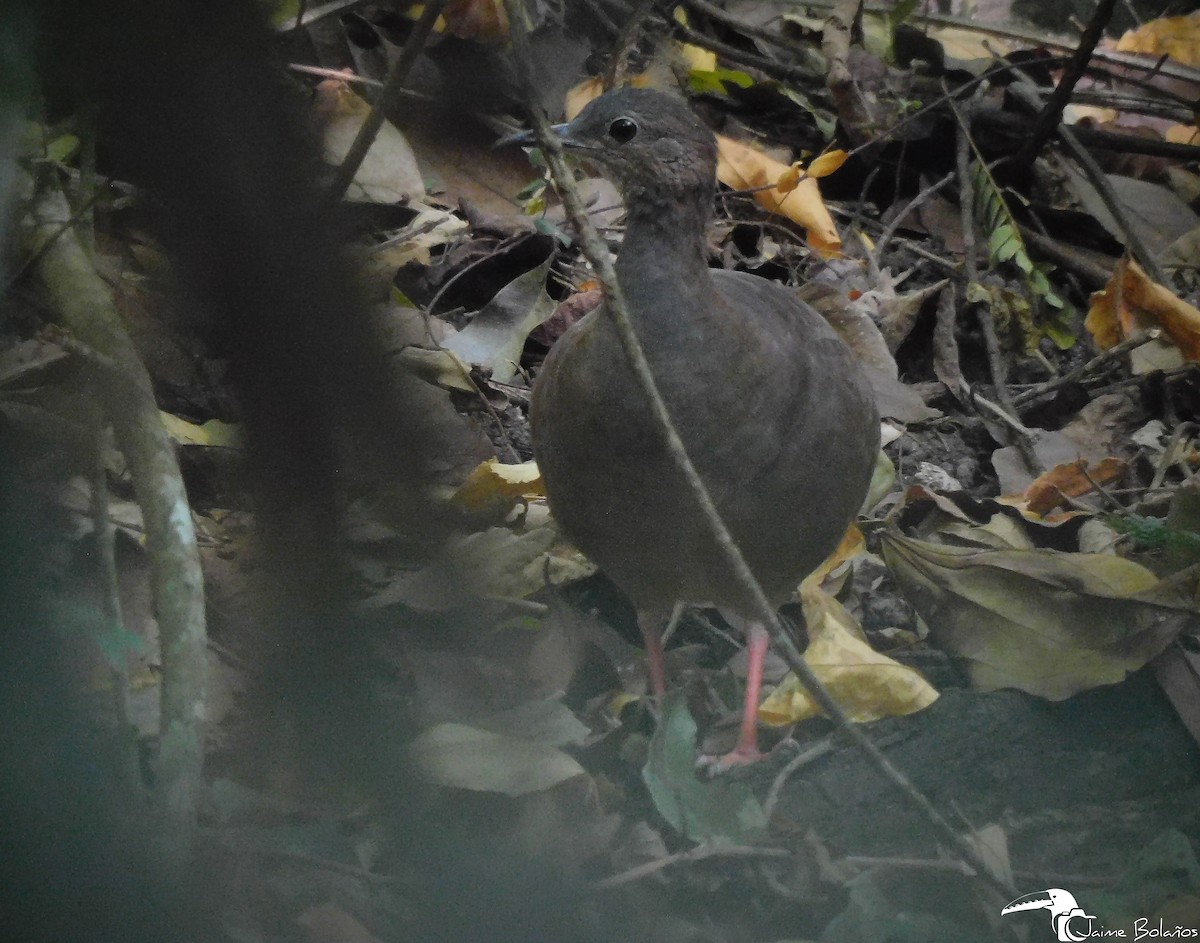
x=769 y=402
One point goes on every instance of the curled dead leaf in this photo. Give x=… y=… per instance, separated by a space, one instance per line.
x=1042 y=621
x=1131 y=301
x=867 y=684
x=493 y=486
x=1071 y=480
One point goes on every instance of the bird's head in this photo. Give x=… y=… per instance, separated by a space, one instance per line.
x=648 y=143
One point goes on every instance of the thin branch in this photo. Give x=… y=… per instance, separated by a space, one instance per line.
x=699 y=853
x=1093 y=366
x=1051 y=116
x=625 y=41
x=1026 y=91
x=393 y=91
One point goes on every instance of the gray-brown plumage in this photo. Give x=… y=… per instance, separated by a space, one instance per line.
x=767 y=399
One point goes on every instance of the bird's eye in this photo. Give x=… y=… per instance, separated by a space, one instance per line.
x=622 y=130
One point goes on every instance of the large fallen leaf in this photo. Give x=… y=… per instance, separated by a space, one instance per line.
x=1042 y=621
x=1174 y=36
x=718 y=810
x=1071 y=480
x=496 y=335
x=865 y=683
x=389 y=173
x=741 y=167
x=491 y=564
x=467 y=758
x=1131 y=302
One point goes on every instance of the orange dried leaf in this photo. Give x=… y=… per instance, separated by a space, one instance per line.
x=1070 y=481
x=1131 y=302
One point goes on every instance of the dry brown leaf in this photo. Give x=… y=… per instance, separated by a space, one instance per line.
x=328 y=923
x=1071 y=480
x=481 y=20
x=1048 y=623
x=1174 y=36
x=865 y=683
x=741 y=167
x=1131 y=302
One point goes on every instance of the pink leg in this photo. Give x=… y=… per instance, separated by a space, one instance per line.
x=746 y=750
x=651 y=624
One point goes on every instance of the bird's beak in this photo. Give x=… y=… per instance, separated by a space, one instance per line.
x=529 y=139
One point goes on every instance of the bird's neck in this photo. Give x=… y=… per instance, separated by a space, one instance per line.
x=662 y=266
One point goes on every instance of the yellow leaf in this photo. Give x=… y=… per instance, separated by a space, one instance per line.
x=1175 y=36
x=212 y=433
x=790 y=178
x=743 y=168
x=1041 y=621
x=697 y=58
x=827 y=163
x=865 y=683
x=1183 y=134
x=492 y=483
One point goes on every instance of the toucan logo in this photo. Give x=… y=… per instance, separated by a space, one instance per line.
x=1067 y=918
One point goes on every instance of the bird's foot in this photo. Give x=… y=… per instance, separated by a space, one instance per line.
x=738 y=757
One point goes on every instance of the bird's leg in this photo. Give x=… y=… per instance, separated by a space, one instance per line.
x=650 y=621
x=746 y=750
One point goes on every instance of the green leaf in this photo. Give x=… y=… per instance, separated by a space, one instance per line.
x=713 y=82
x=720 y=810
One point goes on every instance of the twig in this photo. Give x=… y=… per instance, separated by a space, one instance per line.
x=1051 y=116
x=715 y=13
x=1091 y=273
x=776 y=70
x=917 y=201
x=596 y=251
x=1026 y=92
x=389 y=97
x=699 y=853
x=1091 y=137
x=110 y=603
x=864 y=862
x=1008 y=419
x=1172 y=453
x=625 y=41
x=85 y=306
x=342 y=75
x=801 y=759
x=1092 y=366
